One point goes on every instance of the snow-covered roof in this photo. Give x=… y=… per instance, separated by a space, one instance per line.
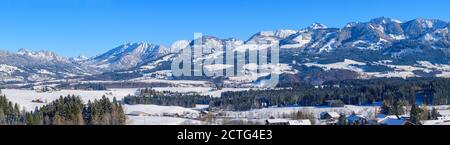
x=381 y=117
x=356 y=117
x=334 y=114
x=391 y=121
x=300 y=122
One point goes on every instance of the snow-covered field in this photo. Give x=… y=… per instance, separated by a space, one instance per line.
x=403 y=71
x=161 y=115
x=146 y=79
x=347 y=64
x=160 y=120
x=218 y=93
x=24 y=97
x=157 y=110
x=184 y=89
x=208 y=91
x=279 y=112
x=175 y=82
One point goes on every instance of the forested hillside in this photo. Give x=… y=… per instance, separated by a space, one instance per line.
x=69 y=110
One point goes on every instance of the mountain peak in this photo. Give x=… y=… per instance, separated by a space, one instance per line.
x=81 y=58
x=384 y=20
x=315 y=26
x=430 y=23
x=351 y=24
x=43 y=53
x=23 y=51
x=179 y=45
x=128 y=55
x=284 y=33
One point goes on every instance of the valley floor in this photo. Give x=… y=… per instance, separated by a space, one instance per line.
x=175 y=115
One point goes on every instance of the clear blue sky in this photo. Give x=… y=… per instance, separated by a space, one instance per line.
x=90 y=27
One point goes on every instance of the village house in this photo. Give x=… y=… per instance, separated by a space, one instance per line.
x=357 y=119
x=393 y=120
x=287 y=122
x=277 y=122
x=329 y=116
x=300 y=122
x=38 y=100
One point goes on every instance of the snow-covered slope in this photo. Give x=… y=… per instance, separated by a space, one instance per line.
x=128 y=56
x=31 y=66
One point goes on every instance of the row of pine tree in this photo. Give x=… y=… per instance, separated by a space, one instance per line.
x=164 y=98
x=69 y=110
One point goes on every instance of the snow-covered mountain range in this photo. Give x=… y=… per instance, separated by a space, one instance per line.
x=127 y=56
x=381 y=47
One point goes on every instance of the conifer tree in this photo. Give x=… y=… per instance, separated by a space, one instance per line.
x=398 y=108
x=434 y=114
x=415 y=114
x=385 y=108
x=2 y=116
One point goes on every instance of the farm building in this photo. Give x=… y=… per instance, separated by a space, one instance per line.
x=356 y=119
x=395 y=121
x=329 y=115
x=300 y=122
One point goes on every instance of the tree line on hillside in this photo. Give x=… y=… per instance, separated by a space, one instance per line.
x=150 y=96
x=68 y=110
x=83 y=86
x=427 y=91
